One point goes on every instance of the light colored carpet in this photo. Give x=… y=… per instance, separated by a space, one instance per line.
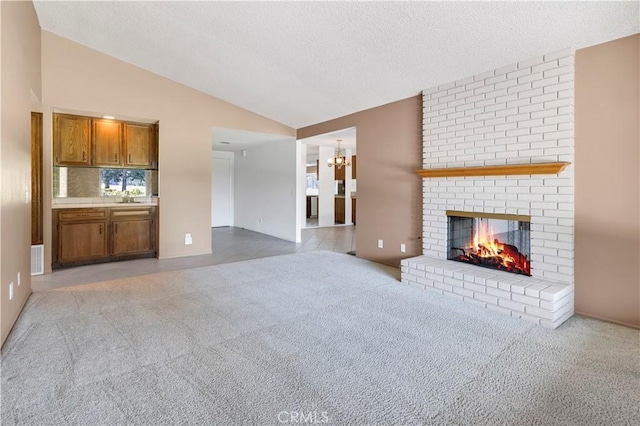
x=319 y=332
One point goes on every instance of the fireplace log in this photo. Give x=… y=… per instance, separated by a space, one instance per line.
x=513 y=251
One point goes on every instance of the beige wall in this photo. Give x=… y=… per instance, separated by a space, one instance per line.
x=20 y=77
x=78 y=78
x=607 y=173
x=389 y=206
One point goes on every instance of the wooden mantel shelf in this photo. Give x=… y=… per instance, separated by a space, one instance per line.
x=506 y=170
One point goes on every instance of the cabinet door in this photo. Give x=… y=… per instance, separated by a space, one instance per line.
x=132 y=236
x=339 y=210
x=339 y=172
x=36 y=179
x=82 y=241
x=353 y=167
x=71 y=140
x=353 y=210
x=154 y=146
x=138 y=141
x=106 y=138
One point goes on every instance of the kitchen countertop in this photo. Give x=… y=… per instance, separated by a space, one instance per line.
x=353 y=195
x=100 y=205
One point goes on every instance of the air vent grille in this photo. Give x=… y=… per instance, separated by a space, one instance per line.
x=37 y=260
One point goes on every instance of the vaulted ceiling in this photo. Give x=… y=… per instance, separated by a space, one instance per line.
x=301 y=63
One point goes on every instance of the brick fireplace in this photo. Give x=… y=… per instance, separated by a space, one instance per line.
x=507 y=120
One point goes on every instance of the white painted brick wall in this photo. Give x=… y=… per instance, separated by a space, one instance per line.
x=520 y=113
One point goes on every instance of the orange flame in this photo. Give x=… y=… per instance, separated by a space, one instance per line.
x=486 y=247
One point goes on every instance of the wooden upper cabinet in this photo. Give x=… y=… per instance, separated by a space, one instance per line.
x=86 y=141
x=353 y=167
x=339 y=173
x=71 y=140
x=155 y=146
x=106 y=138
x=139 y=141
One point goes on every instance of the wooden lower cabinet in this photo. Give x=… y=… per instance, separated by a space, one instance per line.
x=353 y=210
x=132 y=232
x=339 y=210
x=84 y=236
x=82 y=241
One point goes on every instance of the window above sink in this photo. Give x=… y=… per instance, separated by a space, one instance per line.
x=83 y=182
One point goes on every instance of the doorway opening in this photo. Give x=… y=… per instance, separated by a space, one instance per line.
x=331 y=179
x=254 y=181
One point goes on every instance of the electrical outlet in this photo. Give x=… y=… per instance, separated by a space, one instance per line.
x=18 y=279
x=403 y=248
x=380 y=244
x=187 y=239
x=10 y=291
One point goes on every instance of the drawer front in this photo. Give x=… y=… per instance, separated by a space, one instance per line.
x=82 y=214
x=126 y=213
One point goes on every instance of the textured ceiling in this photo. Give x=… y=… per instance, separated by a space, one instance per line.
x=301 y=63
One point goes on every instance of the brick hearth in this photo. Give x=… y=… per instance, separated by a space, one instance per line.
x=549 y=303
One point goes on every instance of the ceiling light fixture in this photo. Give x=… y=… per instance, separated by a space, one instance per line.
x=108 y=117
x=339 y=160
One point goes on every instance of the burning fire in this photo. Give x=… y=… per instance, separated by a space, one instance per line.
x=488 y=251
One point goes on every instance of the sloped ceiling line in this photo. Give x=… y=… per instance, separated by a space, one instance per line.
x=301 y=63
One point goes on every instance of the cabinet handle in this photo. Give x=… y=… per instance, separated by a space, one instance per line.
x=84 y=156
x=116 y=228
x=100 y=229
x=129 y=157
x=115 y=157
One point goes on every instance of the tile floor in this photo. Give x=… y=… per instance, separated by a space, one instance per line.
x=229 y=245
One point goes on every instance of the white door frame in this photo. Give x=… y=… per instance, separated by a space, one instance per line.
x=230 y=156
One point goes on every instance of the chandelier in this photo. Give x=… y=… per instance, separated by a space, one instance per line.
x=339 y=160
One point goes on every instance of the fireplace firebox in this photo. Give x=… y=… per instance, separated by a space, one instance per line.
x=495 y=241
